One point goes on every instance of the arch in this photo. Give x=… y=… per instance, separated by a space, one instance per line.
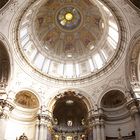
x=135 y=4
x=4 y=62
x=107 y=91
x=3 y=3
x=132 y=61
x=70 y=113
x=6 y=46
x=113 y=99
x=116 y=116
x=26 y=99
x=33 y=92
x=22 y=105
x=74 y=121
x=86 y=98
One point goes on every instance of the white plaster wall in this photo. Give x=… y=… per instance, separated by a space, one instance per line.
x=2 y=128
x=111 y=129
x=16 y=129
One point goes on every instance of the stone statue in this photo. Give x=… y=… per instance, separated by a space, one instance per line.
x=23 y=137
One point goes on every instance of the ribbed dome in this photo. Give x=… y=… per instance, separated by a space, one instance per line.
x=68 y=39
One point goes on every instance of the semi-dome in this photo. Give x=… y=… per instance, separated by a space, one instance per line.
x=68 y=39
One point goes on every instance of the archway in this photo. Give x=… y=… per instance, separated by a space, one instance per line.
x=113 y=99
x=70 y=117
x=133 y=65
x=133 y=79
x=4 y=67
x=3 y=3
x=136 y=3
x=117 y=116
x=26 y=99
x=23 y=115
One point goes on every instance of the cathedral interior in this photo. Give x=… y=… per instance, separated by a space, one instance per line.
x=69 y=69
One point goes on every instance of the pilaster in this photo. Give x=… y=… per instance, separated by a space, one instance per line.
x=44 y=120
x=96 y=119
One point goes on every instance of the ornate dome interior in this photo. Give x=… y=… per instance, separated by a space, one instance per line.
x=69 y=69
x=68 y=40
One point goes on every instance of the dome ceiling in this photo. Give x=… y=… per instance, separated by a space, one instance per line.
x=68 y=30
x=68 y=39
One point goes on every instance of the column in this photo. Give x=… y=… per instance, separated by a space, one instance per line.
x=98 y=126
x=134 y=108
x=94 y=132
x=37 y=127
x=42 y=126
x=96 y=119
x=98 y=131
x=102 y=132
x=102 y=125
x=41 y=133
x=137 y=125
x=45 y=131
x=5 y=109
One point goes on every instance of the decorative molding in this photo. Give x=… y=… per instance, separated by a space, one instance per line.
x=10 y=6
x=132 y=62
x=133 y=106
x=133 y=5
x=44 y=117
x=6 y=108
